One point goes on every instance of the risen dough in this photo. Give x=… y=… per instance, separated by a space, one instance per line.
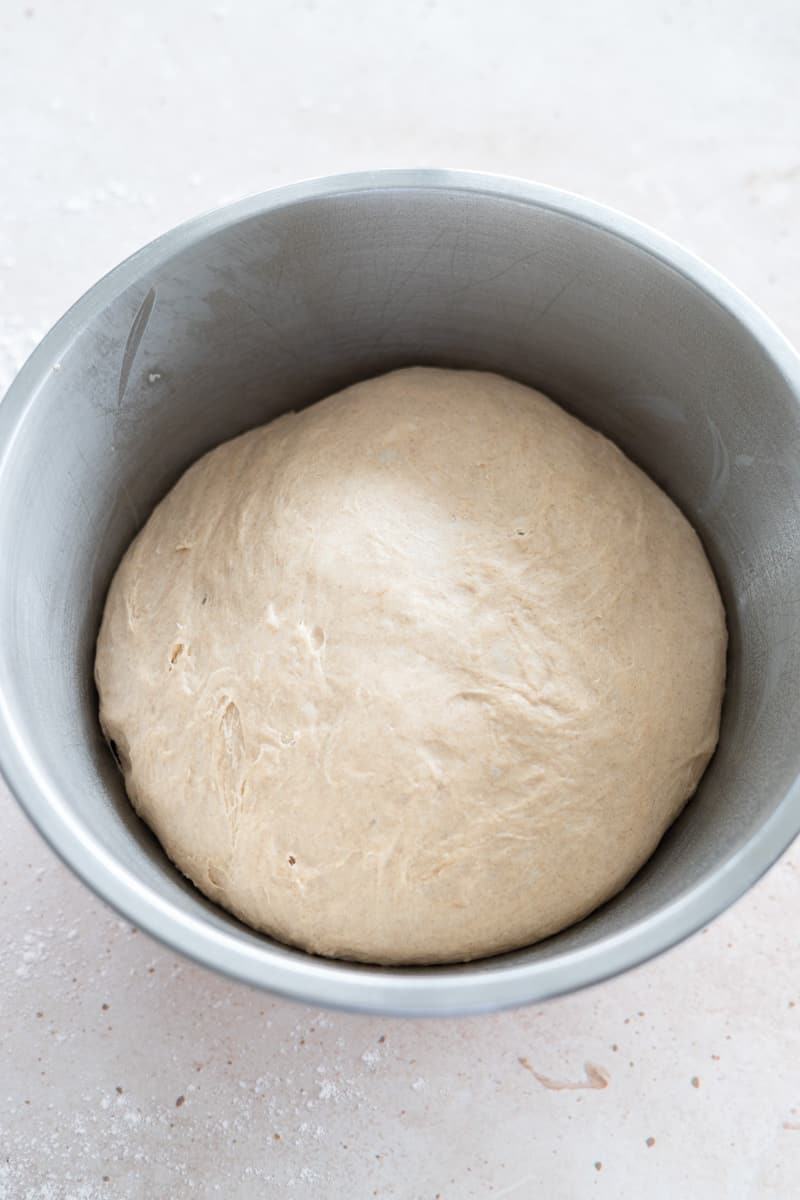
x=419 y=674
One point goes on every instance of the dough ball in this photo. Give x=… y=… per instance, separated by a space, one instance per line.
x=419 y=674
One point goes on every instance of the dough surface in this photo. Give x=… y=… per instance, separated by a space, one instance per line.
x=419 y=674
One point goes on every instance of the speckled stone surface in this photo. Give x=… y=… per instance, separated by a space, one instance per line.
x=126 y=1072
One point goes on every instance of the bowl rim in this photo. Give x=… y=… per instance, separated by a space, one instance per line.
x=489 y=984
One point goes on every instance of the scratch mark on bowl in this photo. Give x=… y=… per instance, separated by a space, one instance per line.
x=720 y=471
x=134 y=341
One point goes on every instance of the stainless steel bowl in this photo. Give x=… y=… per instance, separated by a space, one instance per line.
x=275 y=301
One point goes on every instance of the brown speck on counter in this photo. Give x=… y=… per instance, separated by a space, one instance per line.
x=381 y=1039
x=715 y=1057
x=615 y=1047
x=180 y=1101
x=40 y=1014
x=118 y=1090
x=104 y=1007
x=598 y=1166
x=596 y=1077
x=277 y=1137
x=651 y=1141
x=106 y=1179
x=695 y=1081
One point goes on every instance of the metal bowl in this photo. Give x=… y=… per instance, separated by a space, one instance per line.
x=280 y=299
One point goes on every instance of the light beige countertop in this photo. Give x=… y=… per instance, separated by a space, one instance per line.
x=126 y=1072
